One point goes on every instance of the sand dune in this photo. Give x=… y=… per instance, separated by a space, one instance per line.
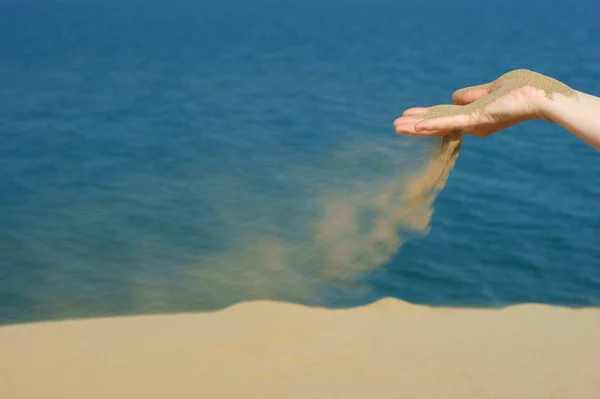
x=388 y=349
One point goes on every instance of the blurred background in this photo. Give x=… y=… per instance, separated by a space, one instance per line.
x=182 y=156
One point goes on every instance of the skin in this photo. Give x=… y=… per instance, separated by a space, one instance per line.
x=578 y=113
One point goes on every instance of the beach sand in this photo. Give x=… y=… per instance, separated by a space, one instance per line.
x=388 y=349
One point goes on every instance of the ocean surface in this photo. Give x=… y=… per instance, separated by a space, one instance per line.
x=182 y=156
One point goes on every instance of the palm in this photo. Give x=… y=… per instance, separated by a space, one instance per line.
x=508 y=110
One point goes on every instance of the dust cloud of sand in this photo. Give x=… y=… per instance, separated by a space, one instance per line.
x=365 y=202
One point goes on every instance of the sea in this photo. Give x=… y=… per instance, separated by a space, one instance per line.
x=182 y=156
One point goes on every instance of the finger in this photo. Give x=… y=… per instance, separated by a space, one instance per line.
x=495 y=85
x=407 y=119
x=444 y=123
x=469 y=94
x=430 y=133
x=416 y=111
x=410 y=130
x=406 y=127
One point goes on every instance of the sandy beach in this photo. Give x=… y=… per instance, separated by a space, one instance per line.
x=388 y=349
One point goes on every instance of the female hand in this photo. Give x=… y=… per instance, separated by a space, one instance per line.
x=484 y=109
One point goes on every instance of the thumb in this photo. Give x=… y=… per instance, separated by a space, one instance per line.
x=469 y=94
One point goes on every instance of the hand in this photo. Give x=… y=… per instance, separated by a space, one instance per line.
x=479 y=110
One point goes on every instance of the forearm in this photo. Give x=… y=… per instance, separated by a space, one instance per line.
x=580 y=116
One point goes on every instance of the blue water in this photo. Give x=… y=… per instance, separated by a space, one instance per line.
x=148 y=148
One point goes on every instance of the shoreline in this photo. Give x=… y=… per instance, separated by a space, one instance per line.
x=388 y=348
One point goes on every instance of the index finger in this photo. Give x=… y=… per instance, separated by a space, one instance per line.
x=416 y=111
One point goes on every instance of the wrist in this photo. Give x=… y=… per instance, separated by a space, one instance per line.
x=553 y=109
x=543 y=107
